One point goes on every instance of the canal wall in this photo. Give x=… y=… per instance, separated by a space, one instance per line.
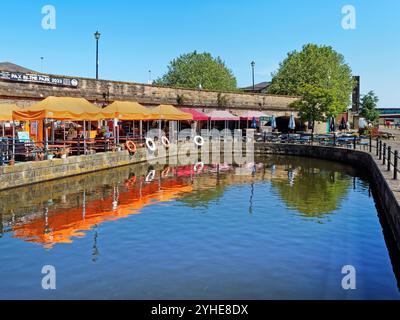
x=385 y=190
x=26 y=173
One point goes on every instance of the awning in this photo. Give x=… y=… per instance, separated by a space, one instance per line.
x=126 y=110
x=6 y=111
x=62 y=108
x=197 y=115
x=168 y=112
x=250 y=115
x=222 y=115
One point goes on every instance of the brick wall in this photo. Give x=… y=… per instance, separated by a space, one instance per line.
x=24 y=94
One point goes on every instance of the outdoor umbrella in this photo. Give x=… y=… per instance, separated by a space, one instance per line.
x=343 y=124
x=292 y=122
x=273 y=122
x=253 y=123
x=332 y=124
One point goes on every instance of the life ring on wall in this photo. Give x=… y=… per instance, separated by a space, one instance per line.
x=199 y=166
x=150 y=176
x=165 y=172
x=150 y=144
x=199 y=141
x=165 y=141
x=131 y=146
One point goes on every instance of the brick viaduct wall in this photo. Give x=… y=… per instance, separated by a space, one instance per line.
x=25 y=94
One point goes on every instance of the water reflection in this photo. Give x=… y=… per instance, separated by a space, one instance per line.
x=60 y=211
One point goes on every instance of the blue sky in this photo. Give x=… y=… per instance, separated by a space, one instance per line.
x=138 y=36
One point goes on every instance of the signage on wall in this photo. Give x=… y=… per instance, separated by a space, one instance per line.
x=38 y=78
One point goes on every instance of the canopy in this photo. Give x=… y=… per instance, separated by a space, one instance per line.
x=197 y=115
x=249 y=115
x=222 y=115
x=168 y=112
x=62 y=108
x=126 y=110
x=6 y=111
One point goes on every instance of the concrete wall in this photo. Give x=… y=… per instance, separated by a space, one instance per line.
x=25 y=94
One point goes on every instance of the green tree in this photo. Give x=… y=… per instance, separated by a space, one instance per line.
x=317 y=104
x=318 y=66
x=194 y=69
x=369 y=103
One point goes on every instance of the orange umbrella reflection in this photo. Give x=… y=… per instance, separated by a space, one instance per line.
x=61 y=227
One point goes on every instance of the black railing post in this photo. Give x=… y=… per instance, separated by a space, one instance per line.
x=389 y=157
x=377 y=146
x=370 y=143
x=355 y=143
x=395 y=164
x=334 y=139
x=380 y=149
x=79 y=146
x=384 y=154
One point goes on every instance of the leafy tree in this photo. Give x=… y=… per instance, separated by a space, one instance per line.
x=318 y=66
x=369 y=103
x=317 y=104
x=194 y=69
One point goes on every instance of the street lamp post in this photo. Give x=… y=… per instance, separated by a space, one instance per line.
x=97 y=37
x=253 y=64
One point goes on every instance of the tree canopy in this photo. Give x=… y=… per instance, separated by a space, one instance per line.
x=369 y=103
x=317 y=104
x=193 y=70
x=318 y=67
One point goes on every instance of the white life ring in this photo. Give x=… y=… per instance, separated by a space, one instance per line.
x=150 y=177
x=199 y=141
x=165 y=141
x=199 y=166
x=151 y=145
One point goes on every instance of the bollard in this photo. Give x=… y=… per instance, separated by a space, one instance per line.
x=370 y=143
x=377 y=146
x=384 y=154
x=395 y=164
x=389 y=157
x=380 y=149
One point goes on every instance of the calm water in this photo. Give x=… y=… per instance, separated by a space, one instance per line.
x=284 y=232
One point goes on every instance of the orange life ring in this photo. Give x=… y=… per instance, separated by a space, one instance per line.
x=131 y=146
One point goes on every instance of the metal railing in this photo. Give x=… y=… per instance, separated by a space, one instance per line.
x=375 y=146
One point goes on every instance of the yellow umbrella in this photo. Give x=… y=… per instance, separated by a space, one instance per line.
x=168 y=112
x=126 y=110
x=6 y=111
x=62 y=108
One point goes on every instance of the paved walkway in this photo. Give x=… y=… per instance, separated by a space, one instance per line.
x=395 y=144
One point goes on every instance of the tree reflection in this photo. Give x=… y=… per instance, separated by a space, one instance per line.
x=312 y=192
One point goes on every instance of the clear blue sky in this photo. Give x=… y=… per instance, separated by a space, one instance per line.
x=142 y=35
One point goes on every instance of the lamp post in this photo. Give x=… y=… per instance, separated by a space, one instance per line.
x=41 y=64
x=253 y=64
x=97 y=37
